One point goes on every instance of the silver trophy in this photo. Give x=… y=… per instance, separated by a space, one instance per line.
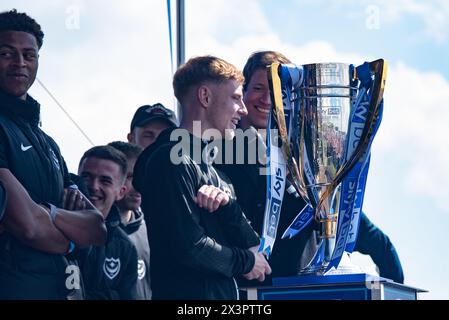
x=327 y=118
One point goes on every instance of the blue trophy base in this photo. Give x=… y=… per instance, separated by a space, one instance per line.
x=359 y=286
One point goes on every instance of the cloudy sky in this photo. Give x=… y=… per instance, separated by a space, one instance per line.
x=102 y=59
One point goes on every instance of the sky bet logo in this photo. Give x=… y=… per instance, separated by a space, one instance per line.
x=275 y=207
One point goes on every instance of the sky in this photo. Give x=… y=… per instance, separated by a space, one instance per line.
x=102 y=59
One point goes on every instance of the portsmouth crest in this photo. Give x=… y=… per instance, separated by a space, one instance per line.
x=111 y=267
x=141 y=269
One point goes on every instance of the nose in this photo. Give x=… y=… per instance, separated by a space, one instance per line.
x=265 y=98
x=92 y=185
x=242 y=110
x=19 y=60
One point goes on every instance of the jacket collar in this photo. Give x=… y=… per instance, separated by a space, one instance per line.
x=26 y=110
x=135 y=222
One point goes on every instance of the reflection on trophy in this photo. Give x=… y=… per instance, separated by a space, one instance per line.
x=327 y=115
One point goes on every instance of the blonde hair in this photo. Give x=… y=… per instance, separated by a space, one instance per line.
x=203 y=69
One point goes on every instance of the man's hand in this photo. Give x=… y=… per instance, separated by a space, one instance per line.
x=261 y=266
x=73 y=200
x=211 y=198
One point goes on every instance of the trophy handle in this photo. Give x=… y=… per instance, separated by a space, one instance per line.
x=276 y=96
x=379 y=68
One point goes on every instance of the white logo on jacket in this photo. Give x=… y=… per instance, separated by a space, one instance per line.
x=111 y=267
x=25 y=148
x=141 y=269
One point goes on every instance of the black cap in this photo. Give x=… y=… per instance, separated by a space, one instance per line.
x=2 y=200
x=148 y=113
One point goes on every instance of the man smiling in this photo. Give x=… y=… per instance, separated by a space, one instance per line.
x=38 y=233
x=111 y=270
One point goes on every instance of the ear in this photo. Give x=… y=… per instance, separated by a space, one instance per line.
x=204 y=95
x=121 y=193
x=131 y=137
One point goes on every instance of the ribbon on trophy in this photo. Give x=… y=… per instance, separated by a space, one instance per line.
x=365 y=119
x=278 y=152
x=291 y=79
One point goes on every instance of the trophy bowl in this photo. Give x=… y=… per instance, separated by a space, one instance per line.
x=325 y=98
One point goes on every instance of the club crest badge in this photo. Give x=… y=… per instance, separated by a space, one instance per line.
x=111 y=267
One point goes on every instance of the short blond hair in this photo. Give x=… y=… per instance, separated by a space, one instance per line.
x=203 y=69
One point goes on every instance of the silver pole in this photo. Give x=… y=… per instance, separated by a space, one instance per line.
x=180 y=32
x=180 y=41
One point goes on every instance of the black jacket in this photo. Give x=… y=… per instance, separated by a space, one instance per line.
x=110 y=271
x=136 y=230
x=288 y=255
x=195 y=254
x=372 y=241
x=34 y=159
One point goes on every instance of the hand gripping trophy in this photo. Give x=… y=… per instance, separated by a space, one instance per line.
x=323 y=122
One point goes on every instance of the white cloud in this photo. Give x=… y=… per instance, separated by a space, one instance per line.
x=434 y=15
x=415 y=126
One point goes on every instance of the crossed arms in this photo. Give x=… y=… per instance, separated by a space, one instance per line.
x=32 y=224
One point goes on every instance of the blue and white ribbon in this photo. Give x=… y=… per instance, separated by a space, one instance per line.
x=276 y=162
x=276 y=181
x=353 y=185
x=283 y=79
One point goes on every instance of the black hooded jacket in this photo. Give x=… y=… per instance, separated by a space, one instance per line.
x=35 y=160
x=195 y=254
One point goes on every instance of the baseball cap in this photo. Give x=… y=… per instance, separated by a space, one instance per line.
x=2 y=200
x=148 y=113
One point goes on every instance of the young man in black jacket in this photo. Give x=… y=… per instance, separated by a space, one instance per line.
x=196 y=254
x=35 y=233
x=110 y=271
x=288 y=255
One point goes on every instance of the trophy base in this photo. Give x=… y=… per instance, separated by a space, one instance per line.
x=313 y=271
x=318 y=268
x=345 y=267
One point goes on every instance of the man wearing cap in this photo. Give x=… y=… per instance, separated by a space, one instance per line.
x=148 y=122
